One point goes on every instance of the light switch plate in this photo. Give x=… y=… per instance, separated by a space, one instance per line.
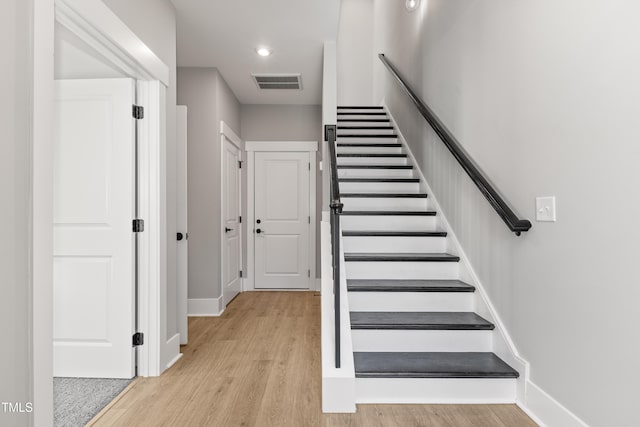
x=546 y=209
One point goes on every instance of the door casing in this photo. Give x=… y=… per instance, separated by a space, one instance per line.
x=263 y=146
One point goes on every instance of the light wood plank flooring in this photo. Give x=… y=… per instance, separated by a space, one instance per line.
x=259 y=365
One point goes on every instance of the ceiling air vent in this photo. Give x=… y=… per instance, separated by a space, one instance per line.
x=278 y=81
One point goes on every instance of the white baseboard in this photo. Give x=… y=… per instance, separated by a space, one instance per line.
x=205 y=307
x=546 y=411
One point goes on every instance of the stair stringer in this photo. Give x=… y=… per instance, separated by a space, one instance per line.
x=503 y=345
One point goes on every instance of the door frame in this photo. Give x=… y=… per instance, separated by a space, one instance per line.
x=226 y=133
x=97 y=25
x=249 y=284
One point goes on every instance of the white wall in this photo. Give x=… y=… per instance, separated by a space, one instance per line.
x=15 y=195
x=209 y=100
x=355 y=52
x=154 y=21
x=545 y=97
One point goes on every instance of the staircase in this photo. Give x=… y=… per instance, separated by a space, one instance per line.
x=416 y=337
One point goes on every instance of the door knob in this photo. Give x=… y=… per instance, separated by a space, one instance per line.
x=258 y=221
x=258 y=231
x=180 y=236
x=227 y=229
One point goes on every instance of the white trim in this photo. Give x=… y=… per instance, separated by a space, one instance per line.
x=43 y=119
x=281 y=145
x=174 y=341
x=503 y=345
x=286 y=146
x=545 y=410
x=205 y=307
x=98 y=26
x=227 y=133
x=151 y=277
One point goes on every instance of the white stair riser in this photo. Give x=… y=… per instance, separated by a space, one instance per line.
x=372 y=161
x=360 y=116
x=402 y=270
x=435 y=390
x=388 y=223
x=415 y=340
x=379 y=131
x=380 y=187
x=395 y=244
x=411 y=301
x=367 y=140
x=369 y=150
x=384 y=204
x=375 y=173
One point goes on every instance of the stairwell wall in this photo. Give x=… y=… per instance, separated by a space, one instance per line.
x=543 y=95
x=354 y=52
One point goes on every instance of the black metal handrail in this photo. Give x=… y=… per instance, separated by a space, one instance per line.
x=336 y=209
x=476 y=174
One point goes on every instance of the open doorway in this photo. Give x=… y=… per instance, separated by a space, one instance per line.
x=108 y=213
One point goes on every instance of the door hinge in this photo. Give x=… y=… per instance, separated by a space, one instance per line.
x=138 y=225
x=240 y=273
x=309 y=220
x=309 y=165
x=240 y=219
x=309 y=273
x=239 y=164
x=138 y=112
x=138 y=339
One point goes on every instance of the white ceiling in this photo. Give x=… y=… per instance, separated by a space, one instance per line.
x=224 y=34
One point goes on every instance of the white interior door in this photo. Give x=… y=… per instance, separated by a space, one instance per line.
x=182 y=262
x=94 y=265
x=282 y=220
x=231 y=244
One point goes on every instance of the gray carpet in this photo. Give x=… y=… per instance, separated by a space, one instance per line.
x=77 y=400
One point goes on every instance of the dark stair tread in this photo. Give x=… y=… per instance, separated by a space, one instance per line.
x=355 y=107
x=399 y=257
x=375 y=166
x=434 y=320
x=389 y=213
x=431 y=365
x=366 y=135
x=364 y=113
x=394 y=234
x=404 y=285
x=385 y=195
x=391 y=145
x=370 y=155
x=379 y=180
x=366 y=127
x=365 y=120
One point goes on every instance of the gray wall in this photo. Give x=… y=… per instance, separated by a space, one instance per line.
x=354 y=52
x=285 y=123
x=154 y=21
x=15 y=182
x=544 y=95
x=209 y=100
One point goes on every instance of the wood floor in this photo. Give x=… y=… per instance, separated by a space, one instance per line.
x=259 y=365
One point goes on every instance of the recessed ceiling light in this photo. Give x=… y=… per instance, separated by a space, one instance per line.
x=263 y=51
x=412 y=5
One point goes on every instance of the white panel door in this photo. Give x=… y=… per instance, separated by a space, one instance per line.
x=231 y=245
x=182 y=261
x=282 y=220
x=94 y=265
